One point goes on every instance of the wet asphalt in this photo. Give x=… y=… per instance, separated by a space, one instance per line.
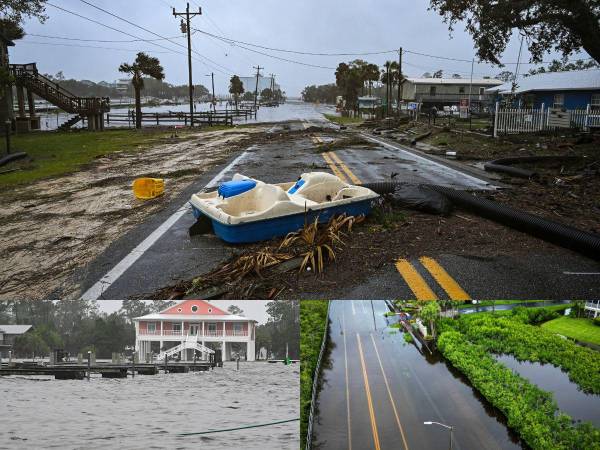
x=377 y=390
x=176 y=256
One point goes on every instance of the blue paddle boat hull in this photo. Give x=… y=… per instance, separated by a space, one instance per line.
x=263 y=230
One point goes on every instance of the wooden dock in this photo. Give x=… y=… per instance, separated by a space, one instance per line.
x=79 y=371
x=210 y=118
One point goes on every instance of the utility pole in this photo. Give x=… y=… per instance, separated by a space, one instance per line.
x=470 y=93
x=186 y=28
x=256 y=88
x=399 y=79
x=214 y=101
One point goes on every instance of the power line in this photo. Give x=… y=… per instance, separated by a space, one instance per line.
x=113 y=41
x=234 y=41
x=285 y=59
x=379 y=52
x=155 y=34
x=86 y=46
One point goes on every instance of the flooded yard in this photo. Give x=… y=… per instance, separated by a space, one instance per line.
x=572 y=401
x=152 y=411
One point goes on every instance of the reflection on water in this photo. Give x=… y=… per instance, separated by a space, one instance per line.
x=287 y=111
x=570 y=400
x=150 y=411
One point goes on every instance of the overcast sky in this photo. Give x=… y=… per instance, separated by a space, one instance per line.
x=342 y=26
x=253 y=309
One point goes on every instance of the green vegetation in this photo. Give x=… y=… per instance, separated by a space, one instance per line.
x=529 y=410
x=312 y=328
x=516 y=335
x=342 y=120
x=55 y=154
x=494 y=302
x=408 y=338
x=583 y=330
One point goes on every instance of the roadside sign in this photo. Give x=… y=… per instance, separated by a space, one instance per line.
x=464 y=112
x=559 y=118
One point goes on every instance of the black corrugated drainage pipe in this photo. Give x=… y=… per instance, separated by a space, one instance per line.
x=503 y=165
x=557 y=233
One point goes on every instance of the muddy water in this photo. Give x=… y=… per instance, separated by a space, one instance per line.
x=151 y=411
x=284 y=112
x=423 y=388
x=53 y=227
x=570 y=400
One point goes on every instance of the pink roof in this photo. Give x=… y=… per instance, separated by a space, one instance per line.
x=194 y=307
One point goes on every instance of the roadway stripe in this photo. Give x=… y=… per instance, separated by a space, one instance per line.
x=452 y=288
x=345 y=168
x=98 y=289
x=333 y=167
x=368 y=392
x=347 y=383
x=387 y=385
x=415 y=281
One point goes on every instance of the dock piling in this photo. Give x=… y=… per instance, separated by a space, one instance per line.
x=89 y=364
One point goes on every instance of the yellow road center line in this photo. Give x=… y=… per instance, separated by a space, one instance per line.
x=368 y=391
x=387 y=385
x=415 y=281
x=345 y=168
x=452 y=288
x=333 y=167
x=347 y=383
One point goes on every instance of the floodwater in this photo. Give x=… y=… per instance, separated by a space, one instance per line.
x=416 y=386
x=287 y=111
x=152 y=411
x=542 y=303
x=570 y=400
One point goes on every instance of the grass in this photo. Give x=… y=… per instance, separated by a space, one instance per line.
x=58 y=153
x=312 y=329
x=343 y=120
x=582 y=330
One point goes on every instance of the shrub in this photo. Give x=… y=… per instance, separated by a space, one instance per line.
x=529 y=410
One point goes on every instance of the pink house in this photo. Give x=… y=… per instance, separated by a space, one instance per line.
x=194 y=325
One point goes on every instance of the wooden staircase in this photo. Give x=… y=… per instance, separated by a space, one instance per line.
x=27 y=76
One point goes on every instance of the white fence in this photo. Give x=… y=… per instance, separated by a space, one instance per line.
x=532 y=120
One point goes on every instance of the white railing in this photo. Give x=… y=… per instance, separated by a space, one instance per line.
x=593 y=305
x=534 y=120
x=207 y=333
x=236 y=333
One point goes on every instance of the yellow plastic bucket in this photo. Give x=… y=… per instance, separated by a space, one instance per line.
x=147 y=188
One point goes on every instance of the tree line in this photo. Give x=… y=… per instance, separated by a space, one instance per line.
x=78 y=326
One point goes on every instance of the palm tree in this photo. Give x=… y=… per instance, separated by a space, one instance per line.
x=236 y=87
x=143 y=65
x=371 y=75
x=389 y=75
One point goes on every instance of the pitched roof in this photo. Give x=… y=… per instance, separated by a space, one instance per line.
x=193 y=307
x=572 y=80
x=15 y=329
x=466 y=81
x=201 y=317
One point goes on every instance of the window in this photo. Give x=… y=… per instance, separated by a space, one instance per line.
x=432 y=90
x=177 y=327
x=179 y=309
x=595 y=103
x=461 y=90
x=559 y=101
x=212 y=327
x=209 y=310
x=481 y=91
x=151 y=327
x=194 y=308
x=238 y=327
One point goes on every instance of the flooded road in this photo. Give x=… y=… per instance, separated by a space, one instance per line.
x=151 y=411
x=378 y=390
x=51 y=120
x=570 y=400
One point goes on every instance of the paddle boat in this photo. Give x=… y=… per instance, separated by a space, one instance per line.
x=248 y=210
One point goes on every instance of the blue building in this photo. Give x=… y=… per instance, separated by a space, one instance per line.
x=568 y=90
